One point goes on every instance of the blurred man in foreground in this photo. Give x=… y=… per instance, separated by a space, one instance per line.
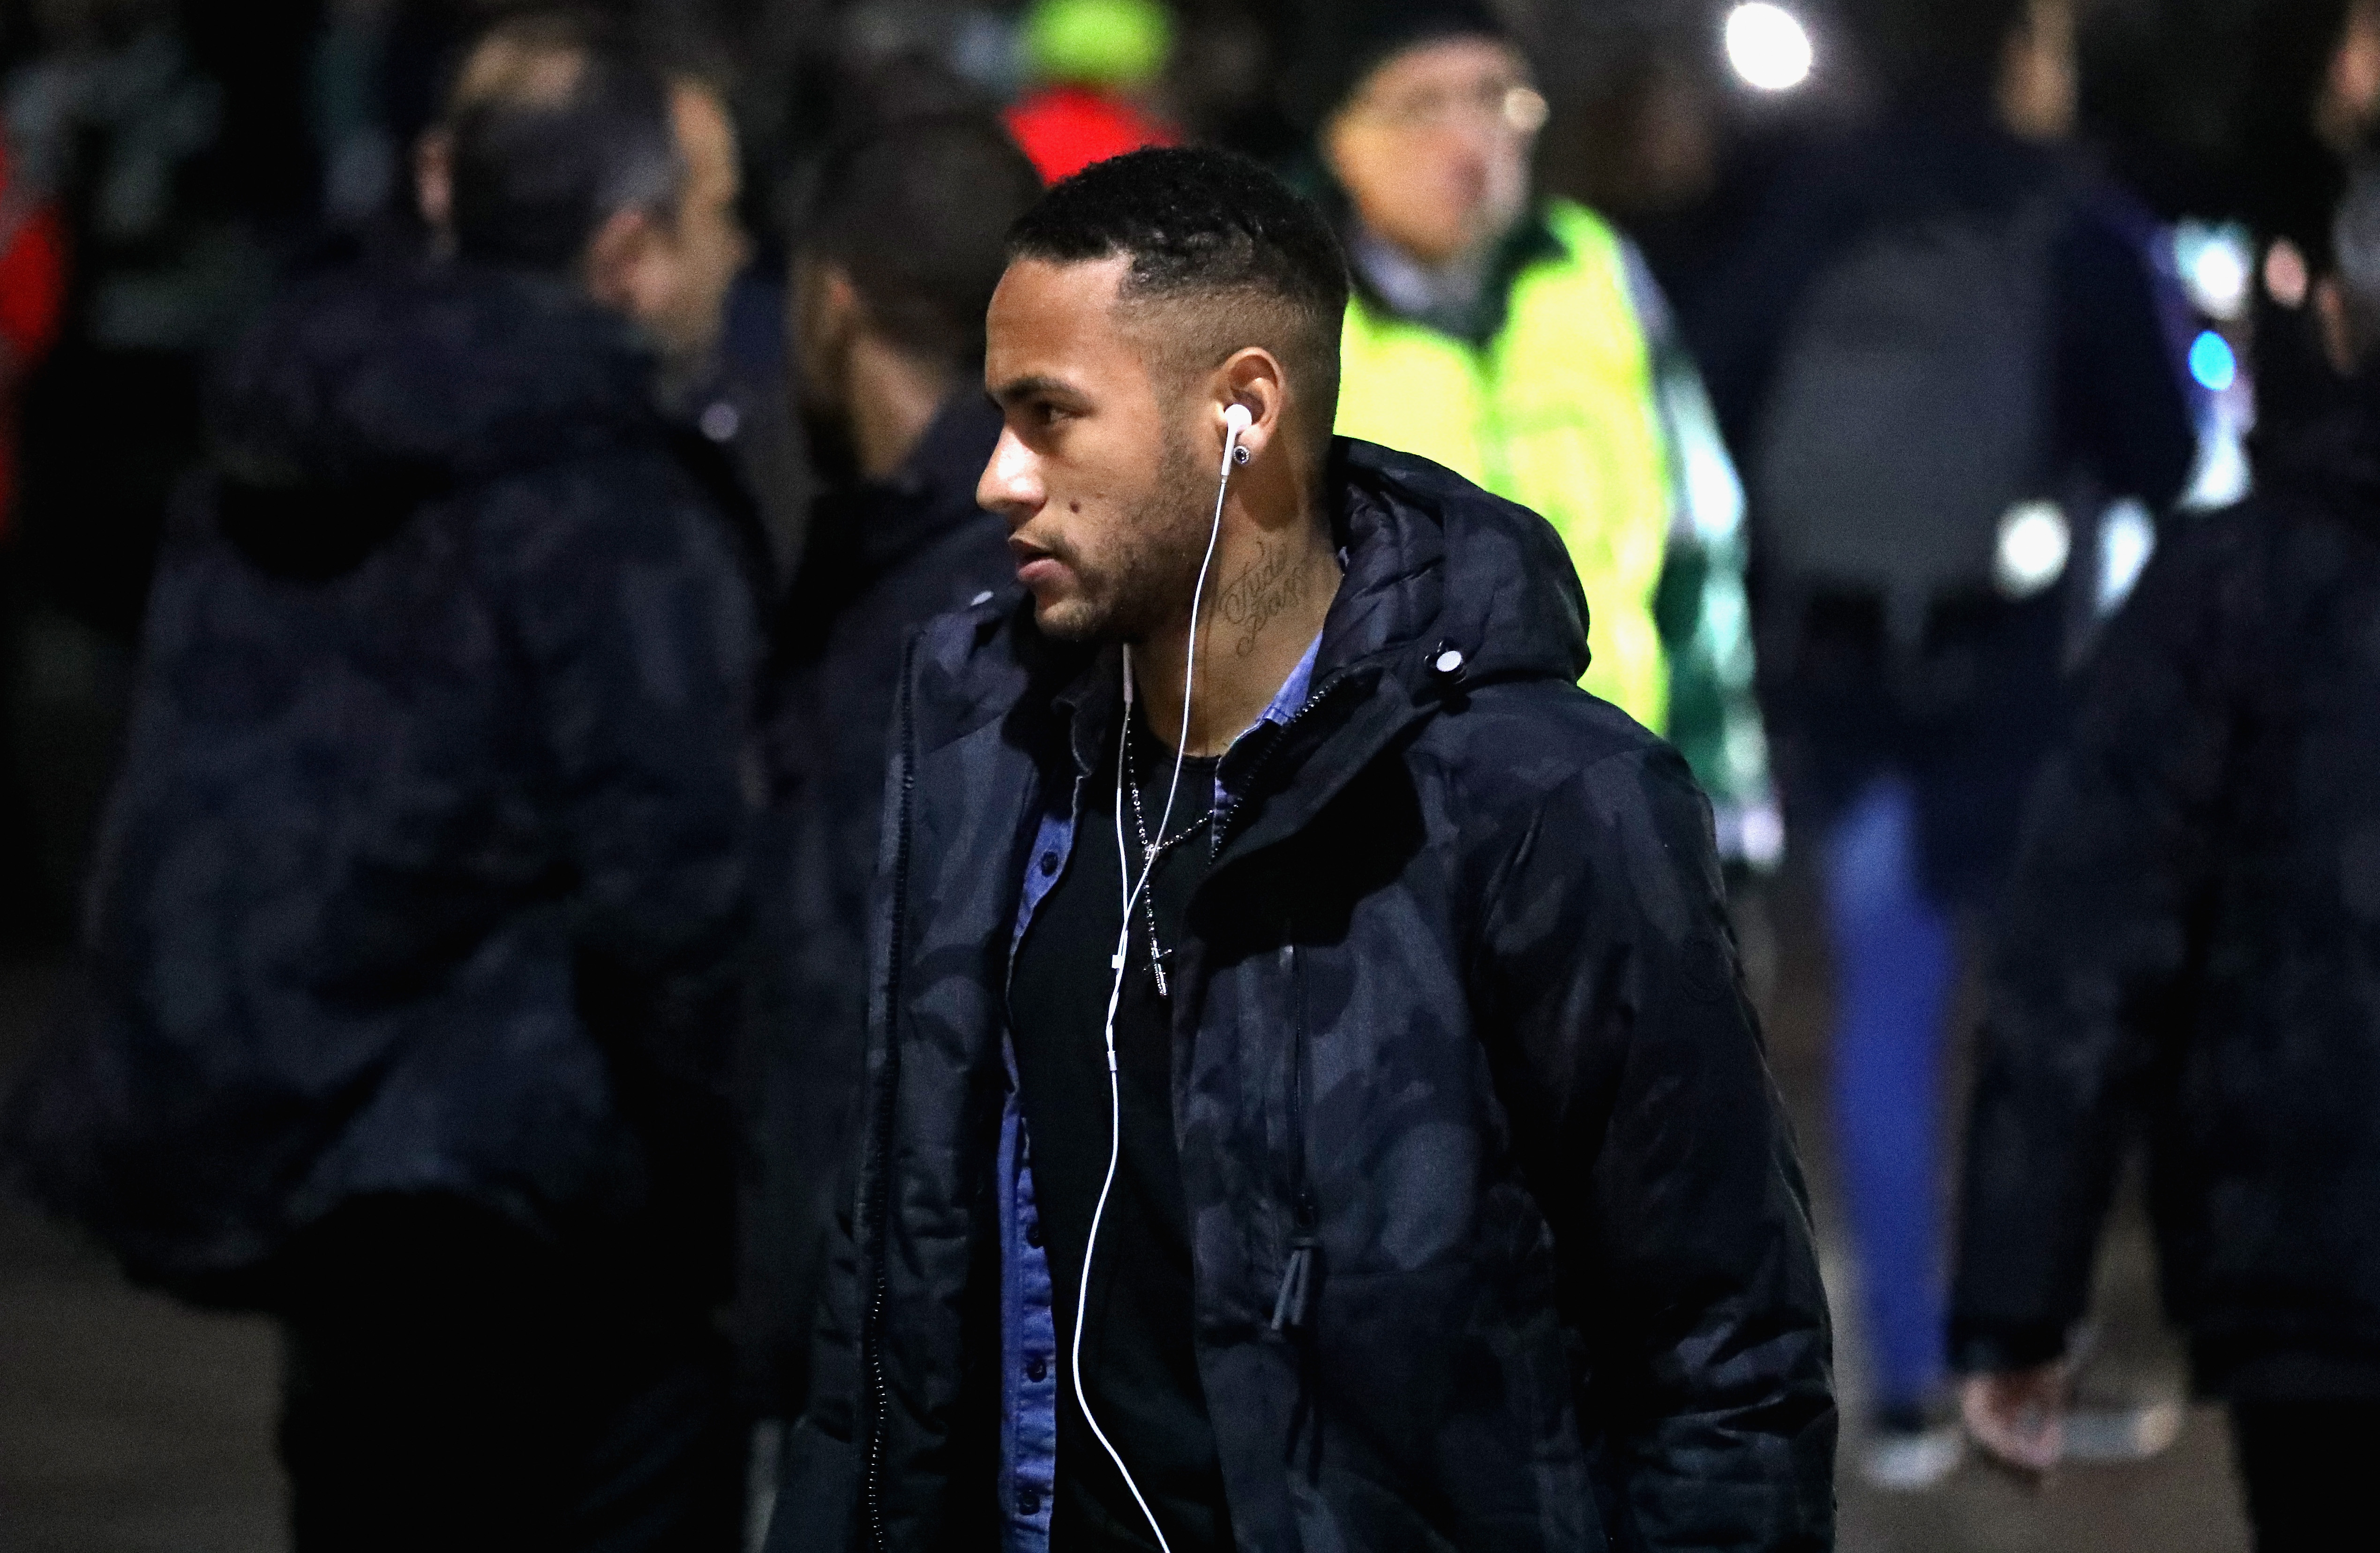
x=2192 y=950
x=893 y=269
x=1342 y=1125
x=690 y=301
x=416 y=931
x=1521 y=343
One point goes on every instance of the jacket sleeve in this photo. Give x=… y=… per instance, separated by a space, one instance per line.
x=639 y=633
x=818 y=1501
x=2090 y=954
x=1653 y=1136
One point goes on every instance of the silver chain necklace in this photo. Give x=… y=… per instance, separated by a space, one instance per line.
x=1149 y=853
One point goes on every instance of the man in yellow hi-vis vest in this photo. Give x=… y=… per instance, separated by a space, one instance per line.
x=1521 y=343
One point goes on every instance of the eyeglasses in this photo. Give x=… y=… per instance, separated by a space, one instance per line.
x=1507 y=106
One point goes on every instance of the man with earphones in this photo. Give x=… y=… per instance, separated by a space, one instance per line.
x=1311 y=1097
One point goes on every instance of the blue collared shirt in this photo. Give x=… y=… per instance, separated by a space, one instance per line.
x=1028 y=1335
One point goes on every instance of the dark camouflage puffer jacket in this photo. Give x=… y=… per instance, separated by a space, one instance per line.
x=424 y=872
x=2191 y=950
x=1462 y=972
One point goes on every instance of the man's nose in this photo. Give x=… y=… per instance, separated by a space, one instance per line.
x=1011 y=485
x=1474 y=149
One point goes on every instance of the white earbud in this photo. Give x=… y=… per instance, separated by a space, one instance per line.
x=1236 y=421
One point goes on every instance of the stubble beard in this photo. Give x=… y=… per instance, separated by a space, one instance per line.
x=1146 y=580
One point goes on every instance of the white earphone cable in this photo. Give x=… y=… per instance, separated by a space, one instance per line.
x=1132 y=893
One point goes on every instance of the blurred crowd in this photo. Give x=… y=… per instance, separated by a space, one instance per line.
x=511 y=448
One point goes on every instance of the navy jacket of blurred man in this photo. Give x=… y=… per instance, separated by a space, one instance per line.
x=418 y=933
x=2193 y=943
x=900 y=255
x=1437 y=1188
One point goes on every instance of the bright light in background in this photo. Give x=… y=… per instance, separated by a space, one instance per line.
x=2217 y=264
x=2212 y=363
x=2127 y=537
x=1768 y=46
x=2221 y=476
x=2034 y=543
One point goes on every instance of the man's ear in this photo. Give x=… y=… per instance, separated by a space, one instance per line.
x=433 y=179
x=827 y=311
x=2335 y=322
x=623 y=261
x=1329 y=142
x=835 y=302
x=1252 y=377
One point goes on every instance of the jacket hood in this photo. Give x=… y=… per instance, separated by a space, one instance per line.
x=388 y=386
x=1448 y=591
x=1437 y=564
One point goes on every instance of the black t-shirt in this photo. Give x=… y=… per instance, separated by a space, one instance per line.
x=1138 y=1367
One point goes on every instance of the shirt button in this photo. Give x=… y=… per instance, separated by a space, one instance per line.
x=1037 y=1368
x=1049 y=864
x=1029 y=1500
x=1032 y=1234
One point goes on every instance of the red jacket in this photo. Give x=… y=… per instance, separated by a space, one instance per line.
x=33 y=307
x=1066 y=129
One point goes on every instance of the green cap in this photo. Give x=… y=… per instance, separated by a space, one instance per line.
x=1097 y=43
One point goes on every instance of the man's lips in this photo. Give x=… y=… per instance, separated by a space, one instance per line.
x=1035 y=567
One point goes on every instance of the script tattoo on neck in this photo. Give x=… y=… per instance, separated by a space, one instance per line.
x=1264 y=587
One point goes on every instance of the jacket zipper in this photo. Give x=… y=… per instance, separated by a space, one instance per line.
x=872 y=1339
x=1292 y=1307
x=1239 y=796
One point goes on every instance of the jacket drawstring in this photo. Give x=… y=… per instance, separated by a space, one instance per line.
x=1293 y=1308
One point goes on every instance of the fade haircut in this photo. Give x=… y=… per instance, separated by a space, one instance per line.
x=555 y=129
x=913 y=211
x=1245 y=261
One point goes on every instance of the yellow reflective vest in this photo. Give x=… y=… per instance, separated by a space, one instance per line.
x=1555 y=412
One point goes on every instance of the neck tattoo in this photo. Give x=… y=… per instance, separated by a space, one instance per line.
x=1263 y=590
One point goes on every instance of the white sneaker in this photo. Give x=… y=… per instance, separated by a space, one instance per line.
x=1910 y=1460
x=2132 y=1433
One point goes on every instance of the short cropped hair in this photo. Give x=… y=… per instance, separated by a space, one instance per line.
x=1215 y=230
x=553 y=143
x=916 y=212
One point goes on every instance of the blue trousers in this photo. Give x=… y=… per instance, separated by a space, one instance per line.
x=1895 y=963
